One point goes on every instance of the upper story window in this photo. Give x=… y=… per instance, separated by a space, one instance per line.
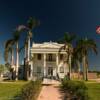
x=39 y=56
x=50 y=57
x=61 y=56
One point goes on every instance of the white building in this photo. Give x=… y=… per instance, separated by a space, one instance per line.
x=47 y=61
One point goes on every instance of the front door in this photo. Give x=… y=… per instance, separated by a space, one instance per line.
x=50 y=71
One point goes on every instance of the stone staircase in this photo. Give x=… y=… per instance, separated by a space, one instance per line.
x=47 y=81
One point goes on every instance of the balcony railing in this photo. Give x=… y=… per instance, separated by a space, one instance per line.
x=50 y=60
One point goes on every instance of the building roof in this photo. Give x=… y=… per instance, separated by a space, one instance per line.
x=46 y=47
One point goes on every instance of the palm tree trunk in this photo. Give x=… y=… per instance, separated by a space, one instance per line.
x=25 y=52
x=17 y=60
x=27 y=60
x=86 y=73
x=12 y=58
x=12 y=63
x=84 y=67
x=78 y=65
x=70 y=67
x=28 y=49
x=28 y=57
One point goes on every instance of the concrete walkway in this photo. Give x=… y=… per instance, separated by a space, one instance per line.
x=50 y=91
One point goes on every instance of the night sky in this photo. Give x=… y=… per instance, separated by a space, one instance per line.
x=56 y=17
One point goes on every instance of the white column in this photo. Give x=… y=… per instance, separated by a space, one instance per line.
x=44 y=64
x=31 y=70
x=57 y=61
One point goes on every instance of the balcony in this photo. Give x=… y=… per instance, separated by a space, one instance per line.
x=51 y=60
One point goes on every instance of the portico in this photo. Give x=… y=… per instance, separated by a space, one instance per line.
x=47 y=61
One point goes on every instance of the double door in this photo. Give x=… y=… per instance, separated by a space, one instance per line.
x=50 y=71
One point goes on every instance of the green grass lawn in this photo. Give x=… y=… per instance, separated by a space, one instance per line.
x=10 y=89
x=94 y=90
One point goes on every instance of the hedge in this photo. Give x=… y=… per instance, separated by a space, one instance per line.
x=76 y=89
x=30 y=91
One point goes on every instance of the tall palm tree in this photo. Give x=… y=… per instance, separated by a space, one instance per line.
x=9 y=49
x=67 y=40
x=31 y=24
x=16 y=37
x=76 y=60
x=84 y=46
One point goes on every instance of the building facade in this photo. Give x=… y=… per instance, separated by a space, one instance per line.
x=47 y=61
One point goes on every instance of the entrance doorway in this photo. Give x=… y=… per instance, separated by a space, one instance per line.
x=50 y=71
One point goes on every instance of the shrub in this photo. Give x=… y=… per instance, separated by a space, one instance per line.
x=30 y=91
x=77 y=89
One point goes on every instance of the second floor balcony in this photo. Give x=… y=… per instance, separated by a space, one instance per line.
x=51 y=60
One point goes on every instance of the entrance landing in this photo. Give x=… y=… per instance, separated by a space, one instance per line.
x=47 y=81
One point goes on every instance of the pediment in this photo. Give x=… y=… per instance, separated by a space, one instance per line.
x=47 y=45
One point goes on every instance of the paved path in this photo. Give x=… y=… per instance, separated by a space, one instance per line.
x=51 y=91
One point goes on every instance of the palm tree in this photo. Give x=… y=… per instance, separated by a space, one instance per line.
x=84 y=46
x=31 y=24
x=67 y=40
x=16 y=36
x=9 y=50
x=76 y=61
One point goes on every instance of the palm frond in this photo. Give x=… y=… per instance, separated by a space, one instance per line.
x=8 y=48
x=9 y=43
x=20 y=49
x=62 y=48
x=32 y=23
x=16 y=35
x=21 y=28
x=68 y=37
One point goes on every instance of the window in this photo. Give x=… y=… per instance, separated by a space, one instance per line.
x=38 y=69
x=39 y=56
x=61 y=57
x=50 y=57
x=61 y=69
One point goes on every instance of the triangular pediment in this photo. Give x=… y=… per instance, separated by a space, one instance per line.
x=47 y=45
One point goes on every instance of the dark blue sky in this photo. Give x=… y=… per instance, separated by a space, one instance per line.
x=56 y=17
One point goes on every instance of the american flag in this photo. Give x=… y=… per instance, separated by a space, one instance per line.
x=98 y=29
